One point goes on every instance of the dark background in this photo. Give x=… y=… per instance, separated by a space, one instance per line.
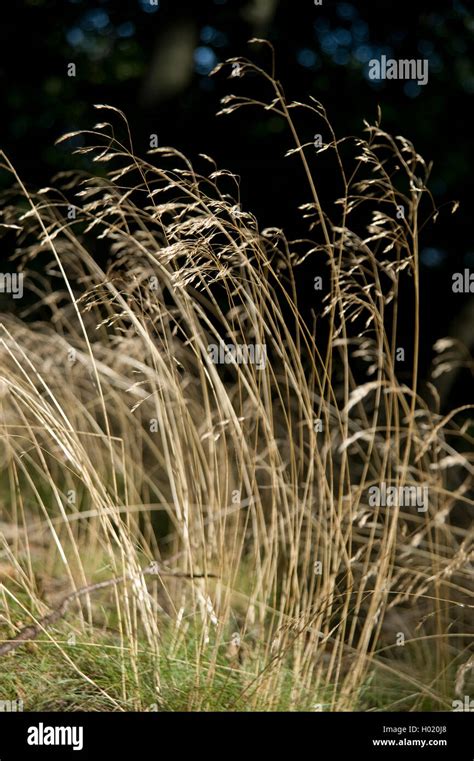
x=153 y=60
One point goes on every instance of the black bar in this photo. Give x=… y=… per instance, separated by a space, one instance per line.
x=238 y=735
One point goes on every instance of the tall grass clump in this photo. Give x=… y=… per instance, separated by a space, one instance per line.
x=278 y=583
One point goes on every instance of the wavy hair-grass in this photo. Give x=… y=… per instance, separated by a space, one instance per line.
x=123 y=442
